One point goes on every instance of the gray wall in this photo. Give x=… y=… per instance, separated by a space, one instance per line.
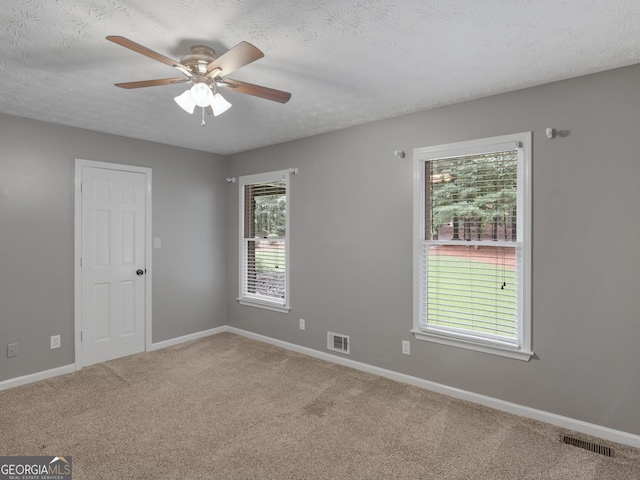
x=351 y=246
x=36 y=237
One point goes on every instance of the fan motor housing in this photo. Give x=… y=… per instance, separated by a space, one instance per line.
x=199 y=58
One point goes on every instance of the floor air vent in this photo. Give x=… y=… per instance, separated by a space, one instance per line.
x=338 y=343
x=592 y=447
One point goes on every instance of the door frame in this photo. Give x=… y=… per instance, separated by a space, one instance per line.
x=77 y=250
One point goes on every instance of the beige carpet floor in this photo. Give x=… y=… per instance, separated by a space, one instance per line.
x=227 y=407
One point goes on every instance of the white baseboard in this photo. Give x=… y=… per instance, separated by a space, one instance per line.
x=34 y=377
x=187 y=338
x=599 y=431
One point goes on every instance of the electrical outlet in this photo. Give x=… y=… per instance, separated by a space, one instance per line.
x=406 y=347
x=55 y=341
x=12 y=350
x=302 y=324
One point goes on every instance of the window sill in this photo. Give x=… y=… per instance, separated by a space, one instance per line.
x=470 y=345
x=249 y=302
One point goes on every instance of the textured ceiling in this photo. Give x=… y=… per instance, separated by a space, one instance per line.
x=346 y=62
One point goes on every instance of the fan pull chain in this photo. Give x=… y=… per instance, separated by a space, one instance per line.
x=202 y=124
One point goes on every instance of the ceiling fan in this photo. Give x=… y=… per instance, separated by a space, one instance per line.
x=207 y=73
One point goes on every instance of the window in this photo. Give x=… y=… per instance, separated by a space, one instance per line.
x=472 y=245
x=264 y=236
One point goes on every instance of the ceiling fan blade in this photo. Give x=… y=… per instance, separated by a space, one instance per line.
x=242 y=54
x=136 y=47
x=152 y=83
x=255 y=90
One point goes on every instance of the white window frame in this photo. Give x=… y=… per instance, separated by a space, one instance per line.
x=521 y=141
x=245 y=298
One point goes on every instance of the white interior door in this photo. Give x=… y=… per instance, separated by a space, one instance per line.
x=112 y=266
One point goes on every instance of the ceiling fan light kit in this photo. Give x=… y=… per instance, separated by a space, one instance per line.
x=185 y=102
x=207 y=72
x=201 y=94
x=219 y=104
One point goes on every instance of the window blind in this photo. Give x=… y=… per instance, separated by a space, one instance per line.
x=265 y=274
x=264 y=241
x=471 y=251
x=472 y=290
x=472 y=197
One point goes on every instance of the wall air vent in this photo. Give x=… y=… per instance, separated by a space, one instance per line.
x=338 y=343
x=592 y=447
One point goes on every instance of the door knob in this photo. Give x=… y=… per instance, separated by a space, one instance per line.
x=140 y=272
